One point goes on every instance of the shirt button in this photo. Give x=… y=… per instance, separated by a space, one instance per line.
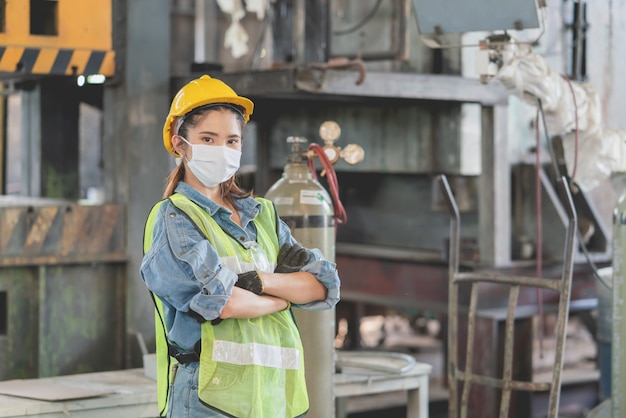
x=241 y=238
x=172 y=215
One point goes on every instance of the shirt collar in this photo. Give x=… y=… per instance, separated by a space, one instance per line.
x=249 y=207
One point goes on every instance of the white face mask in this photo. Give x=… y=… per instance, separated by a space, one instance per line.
x=213 y=164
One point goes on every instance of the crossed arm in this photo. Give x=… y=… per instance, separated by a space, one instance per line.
x=279 y=288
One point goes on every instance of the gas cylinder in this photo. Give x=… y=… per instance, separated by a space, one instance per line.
x=304 y=204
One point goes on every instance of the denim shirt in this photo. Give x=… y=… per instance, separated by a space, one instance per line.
x=184 y=270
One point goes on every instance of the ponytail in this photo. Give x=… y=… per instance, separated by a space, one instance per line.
x=231 y=190
x=175 y=176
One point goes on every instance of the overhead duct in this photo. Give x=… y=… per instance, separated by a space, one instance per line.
x=435 y=19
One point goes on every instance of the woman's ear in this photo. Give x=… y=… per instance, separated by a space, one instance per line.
x=178 y=144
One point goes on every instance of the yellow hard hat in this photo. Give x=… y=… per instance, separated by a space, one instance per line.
x=201 y=92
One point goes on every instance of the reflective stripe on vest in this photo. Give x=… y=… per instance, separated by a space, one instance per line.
x=257 y=354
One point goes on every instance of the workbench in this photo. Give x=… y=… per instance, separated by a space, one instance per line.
x=354 y=381
x=121 y=394
x=130 y=394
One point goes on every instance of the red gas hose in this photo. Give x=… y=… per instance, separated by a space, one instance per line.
x=339 y=212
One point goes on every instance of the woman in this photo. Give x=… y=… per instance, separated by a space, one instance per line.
x=224 y=271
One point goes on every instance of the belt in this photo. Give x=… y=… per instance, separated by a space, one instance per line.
x=186 y=357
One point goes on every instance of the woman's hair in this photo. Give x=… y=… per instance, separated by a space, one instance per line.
x=230 y=189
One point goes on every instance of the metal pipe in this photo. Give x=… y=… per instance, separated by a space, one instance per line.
x=299 y=32
x=199 y=54
x=618 y=359
x=455 y=240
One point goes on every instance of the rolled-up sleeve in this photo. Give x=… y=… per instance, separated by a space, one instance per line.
x=325 y=272
x=183 y=269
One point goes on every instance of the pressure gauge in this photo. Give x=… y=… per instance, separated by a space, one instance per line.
x=353 y=153
x=330 y=131
x=332 y=153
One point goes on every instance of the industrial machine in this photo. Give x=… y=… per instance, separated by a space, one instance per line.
x=63 y=249
x=56 y=37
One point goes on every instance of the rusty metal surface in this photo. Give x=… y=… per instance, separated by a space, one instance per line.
x=61 y=233
x=298 y=82
x=62 y=270
x=62 y=319
x=391 y=282
x=415 y=284
x=507 y=383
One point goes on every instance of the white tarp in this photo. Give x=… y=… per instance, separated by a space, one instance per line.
x=601 y=151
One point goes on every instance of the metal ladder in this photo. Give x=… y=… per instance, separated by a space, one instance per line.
x=506 y=383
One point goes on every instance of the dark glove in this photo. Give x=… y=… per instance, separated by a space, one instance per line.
x=292 y=258
x=201 y=319
x=250 y=280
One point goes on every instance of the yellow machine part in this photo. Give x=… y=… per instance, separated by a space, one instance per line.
x=3 y=139
x=67 y=37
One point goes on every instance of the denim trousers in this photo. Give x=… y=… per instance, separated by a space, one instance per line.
x=184 y=402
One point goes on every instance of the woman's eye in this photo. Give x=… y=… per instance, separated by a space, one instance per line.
x=207 y=139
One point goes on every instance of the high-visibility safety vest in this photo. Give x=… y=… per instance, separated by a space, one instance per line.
x=249 y=368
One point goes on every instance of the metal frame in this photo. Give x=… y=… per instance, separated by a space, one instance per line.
x=506 y=383
x=398 y=49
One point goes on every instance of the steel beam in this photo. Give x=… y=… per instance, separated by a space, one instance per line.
x=297 y=82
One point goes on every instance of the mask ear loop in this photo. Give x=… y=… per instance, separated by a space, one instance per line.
x=188 y=143
x=178 y=123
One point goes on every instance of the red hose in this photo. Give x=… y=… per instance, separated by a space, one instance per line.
x=339 y=212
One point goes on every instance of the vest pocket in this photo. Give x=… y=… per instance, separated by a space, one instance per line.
x=223 y=377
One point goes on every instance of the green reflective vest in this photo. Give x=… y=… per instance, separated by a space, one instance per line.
x=248 y=367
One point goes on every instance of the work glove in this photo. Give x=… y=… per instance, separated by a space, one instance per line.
x=201 y=319
x=251 y=281
x=292 y=258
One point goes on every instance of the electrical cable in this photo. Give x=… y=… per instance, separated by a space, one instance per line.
x=539 y=226
x=571 y=89
x=574 y=168
x=339 y=212
x=362 y=23
x=555 y=165
x=256 y=55
x=581 y=241
x=593 y=266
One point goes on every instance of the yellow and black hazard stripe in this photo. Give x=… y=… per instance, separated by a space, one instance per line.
x=59 y=61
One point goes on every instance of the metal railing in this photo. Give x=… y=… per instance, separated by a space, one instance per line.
x=506 y=384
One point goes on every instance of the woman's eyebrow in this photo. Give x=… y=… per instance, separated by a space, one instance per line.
x=216 y=134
